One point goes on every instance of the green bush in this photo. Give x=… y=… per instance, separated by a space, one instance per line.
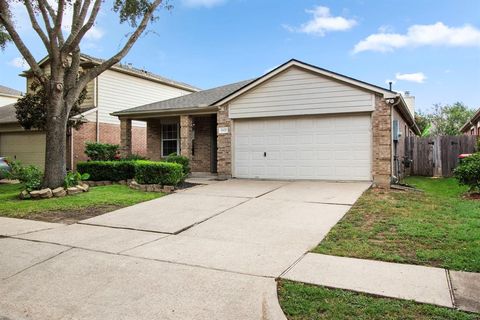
x=181 y=160
x=74 y=178
x=164 y=173
x=30 y=176
x=468 y=172
x=102 y=151
x=108 y=170
x=135 y=156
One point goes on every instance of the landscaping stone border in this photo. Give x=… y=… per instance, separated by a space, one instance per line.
x=48 y=193
x=134 y=185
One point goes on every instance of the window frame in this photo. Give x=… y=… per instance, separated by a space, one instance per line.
x=162 y=138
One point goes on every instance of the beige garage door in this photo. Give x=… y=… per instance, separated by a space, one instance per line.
x=323 y=147
x=26 y=147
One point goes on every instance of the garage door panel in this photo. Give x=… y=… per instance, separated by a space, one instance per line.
x=330 y=148
x=26 y=147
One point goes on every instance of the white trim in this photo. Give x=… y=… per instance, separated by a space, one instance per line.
x=295 y=63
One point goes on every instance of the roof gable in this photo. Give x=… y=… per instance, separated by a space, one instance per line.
x=299 y=64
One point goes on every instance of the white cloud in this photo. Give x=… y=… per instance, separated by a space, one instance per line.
x=19 y=62
x=202 y=3
x=95 y=33
x=418 y=77
x=323 y=22
x=437 y=34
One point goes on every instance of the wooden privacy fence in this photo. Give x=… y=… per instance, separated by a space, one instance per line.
x=437 y=156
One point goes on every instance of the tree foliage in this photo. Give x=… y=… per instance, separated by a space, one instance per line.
x=448 y=119
x=31 y=109
x=61 y=80
x=4 y=38
x=423 y=122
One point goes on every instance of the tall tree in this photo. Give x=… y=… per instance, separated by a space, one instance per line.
x=448 y=119
x=63 y=83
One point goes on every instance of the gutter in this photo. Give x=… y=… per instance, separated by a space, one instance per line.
x=197 y=109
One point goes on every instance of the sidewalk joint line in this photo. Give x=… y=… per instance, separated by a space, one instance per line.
x=450 y=287
x=38 y=263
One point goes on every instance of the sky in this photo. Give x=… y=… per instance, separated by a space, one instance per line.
x=430 y=48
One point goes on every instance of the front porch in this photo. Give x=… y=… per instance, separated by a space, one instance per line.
x=192 y=136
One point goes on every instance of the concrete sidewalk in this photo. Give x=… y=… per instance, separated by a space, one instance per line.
x=411 y=282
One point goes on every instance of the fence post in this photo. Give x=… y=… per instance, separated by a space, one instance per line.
x=437 y=156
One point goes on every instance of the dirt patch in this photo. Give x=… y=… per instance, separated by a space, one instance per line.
x=72 y=215
x=186 y=185
x=472 y=196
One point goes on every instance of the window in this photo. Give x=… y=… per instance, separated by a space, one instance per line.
x=170 y=139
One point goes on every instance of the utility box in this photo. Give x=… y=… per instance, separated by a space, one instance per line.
x=396 y=130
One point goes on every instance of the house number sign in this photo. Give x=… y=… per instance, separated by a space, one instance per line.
x=222 y=130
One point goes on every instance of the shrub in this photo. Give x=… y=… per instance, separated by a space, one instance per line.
x=135 y=156
x=164 y=173
x=102 y=151
x=182 y=160
x=74 y=178
x=107 y=170
x=30 y=176
x=468 y=172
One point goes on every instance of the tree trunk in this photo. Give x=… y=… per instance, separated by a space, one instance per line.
x=56 y=136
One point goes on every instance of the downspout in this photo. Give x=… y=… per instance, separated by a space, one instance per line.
x=97 y=117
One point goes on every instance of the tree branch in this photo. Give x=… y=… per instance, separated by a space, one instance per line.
x=57 y=17
x=8 y=24
x=77 y=24
x=46 y=19
x=35 y=25
x=93 y=73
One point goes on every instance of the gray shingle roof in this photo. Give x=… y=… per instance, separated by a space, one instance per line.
x=194 y=100
x=9 y=91
x=142 y=73
x=7 y=114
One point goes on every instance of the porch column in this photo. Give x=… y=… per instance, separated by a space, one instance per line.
x=153 y=139
x=186 y=136
x=125 y=137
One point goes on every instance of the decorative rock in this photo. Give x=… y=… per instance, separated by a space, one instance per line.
x=122 y=182
x=129 y=181
x=45 y=193
x=24 y=195
x=168 y=189
x=83 y=187
x=150 y=188
x=157 y=188
x=73 y=190
x=107 y=183
x=35 y=194
x=90 y=183
x=59 y=192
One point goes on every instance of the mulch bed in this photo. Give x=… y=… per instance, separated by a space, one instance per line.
x=72 y=216
x=473 y=196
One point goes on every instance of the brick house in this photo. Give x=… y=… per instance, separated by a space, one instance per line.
x=120 y=87
x=295 y=122
x=472 y=127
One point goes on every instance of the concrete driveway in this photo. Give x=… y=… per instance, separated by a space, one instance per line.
x=209 y=252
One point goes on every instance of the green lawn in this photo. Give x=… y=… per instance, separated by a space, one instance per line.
x=438 y=227
x=113 y=196
x=301 y=302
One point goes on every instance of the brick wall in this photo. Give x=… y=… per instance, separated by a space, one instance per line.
x=202 y=144
x=224 y=143
x=382 y=143
x=109 y=133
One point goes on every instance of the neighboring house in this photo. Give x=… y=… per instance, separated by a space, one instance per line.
x=295 y=122
x=118 y=88
x=8 y=95
x=472 y=127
